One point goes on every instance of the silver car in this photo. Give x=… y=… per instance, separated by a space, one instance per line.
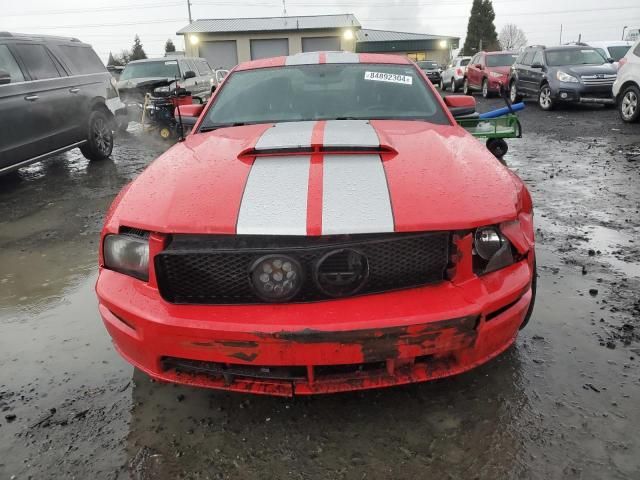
x=453 y=75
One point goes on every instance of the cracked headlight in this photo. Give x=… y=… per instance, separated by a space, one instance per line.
x=491 y=250
x=127 y=254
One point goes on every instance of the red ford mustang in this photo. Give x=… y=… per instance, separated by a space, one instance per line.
x=327 y=226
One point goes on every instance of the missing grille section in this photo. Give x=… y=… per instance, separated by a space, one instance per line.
x=216 y=269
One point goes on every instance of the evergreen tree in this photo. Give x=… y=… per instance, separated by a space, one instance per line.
x=111 y=61
x=481 y=31
x=137 y=52
x=169 y=46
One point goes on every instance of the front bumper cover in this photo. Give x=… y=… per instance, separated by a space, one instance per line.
x=292 y=349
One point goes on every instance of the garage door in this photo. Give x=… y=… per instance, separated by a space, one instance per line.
x=318 y=44
x=220 y=54
x=269 y=47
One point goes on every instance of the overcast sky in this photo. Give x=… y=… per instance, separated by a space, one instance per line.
x=109 y=25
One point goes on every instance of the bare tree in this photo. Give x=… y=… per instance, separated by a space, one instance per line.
x=512 y=37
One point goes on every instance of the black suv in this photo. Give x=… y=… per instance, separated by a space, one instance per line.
x=577 y=74
x=55 y=94
x=432 y=70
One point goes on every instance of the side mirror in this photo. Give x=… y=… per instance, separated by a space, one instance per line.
x=460 y=105
x=4 y=77
x=189 y=74
x=536 y=65
x=189 y=113
x=610 y=60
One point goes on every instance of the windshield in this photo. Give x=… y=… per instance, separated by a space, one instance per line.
x=428 y=65
x=324 y=92
x=503 y=60
x=618 y=52
x=574 y=56
x=464 y=62
x=164 y=69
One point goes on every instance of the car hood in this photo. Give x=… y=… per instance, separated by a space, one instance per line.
x=500 y=70
x=579 y=70
x=311 y=178
x=146 y=83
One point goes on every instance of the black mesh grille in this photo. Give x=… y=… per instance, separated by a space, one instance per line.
x=213 y=269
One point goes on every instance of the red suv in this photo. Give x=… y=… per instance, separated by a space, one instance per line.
x=487 y=70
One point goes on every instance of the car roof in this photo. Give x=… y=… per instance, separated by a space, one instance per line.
x=316 y=58
x=42 y=38
x=501 y=52
x=612 y=43
x=164 y=59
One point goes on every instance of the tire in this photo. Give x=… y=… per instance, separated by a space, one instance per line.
x=99 y=136
x=544 y=98
x=629 y=104
x=441 y=85
x=454 y=87
x=465 y=87
x=498 y=147
x=485 y=89
x=534 y=288
x=514 y=97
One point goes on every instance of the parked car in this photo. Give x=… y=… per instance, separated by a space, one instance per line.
x=487 y=71
x=568 y=73
x=431 y=69
x=284 y=247
x=626 y=88
x=55 y=95
x=614 y=50
x=453 y=76
x=144 y=76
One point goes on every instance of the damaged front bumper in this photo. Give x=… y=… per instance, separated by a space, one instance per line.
x=294 y=349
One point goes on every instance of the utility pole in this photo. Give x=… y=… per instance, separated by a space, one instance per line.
x=284 y=8
x=579 y=38
x=189 y=8
x=560 y=34
x=623 y=29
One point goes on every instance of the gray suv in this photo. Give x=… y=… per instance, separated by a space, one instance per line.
x=574 y=74
x=55 y=95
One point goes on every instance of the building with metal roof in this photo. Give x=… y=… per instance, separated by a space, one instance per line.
x=417 y=46
x=225 y=42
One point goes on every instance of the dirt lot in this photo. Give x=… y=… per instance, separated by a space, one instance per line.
x=562 y=403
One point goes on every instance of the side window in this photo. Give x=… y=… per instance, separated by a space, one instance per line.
x=203 y=67
x=83 y=60
x=37 y=60
x=9 y=65
x=537 y=58
x=192 y=66
x=528 y=57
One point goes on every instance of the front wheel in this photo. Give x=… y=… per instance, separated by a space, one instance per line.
x=454 y=87
x=485 y=89
x=544 y=100
x=465 y=87
x=513 y=93
x=99 y=137
x=441 y=85
x=629 y=105
x=534 y=287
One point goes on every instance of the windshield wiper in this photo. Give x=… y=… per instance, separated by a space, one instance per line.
x=216 y=126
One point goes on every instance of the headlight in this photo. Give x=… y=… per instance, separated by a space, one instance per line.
x=127 y=254
x=565 y=77
x=492 y=250
x=276 y=278
x=496 y=75
x=162 y=90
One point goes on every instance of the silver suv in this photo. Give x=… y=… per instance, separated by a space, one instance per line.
x=55 y=95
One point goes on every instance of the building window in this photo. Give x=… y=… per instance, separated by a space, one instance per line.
x=417 y=56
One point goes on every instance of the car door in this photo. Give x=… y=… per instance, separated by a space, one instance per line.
x=205 y=73
x=191 y=84
x=475 y=78
x=15 y=142
x=536 y=71
x=46 y=98
x=471 y=69
x=525 y=82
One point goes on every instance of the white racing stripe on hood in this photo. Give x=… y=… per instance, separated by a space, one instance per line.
x=275 y=197
x=286 y=135
x=355 y=195
x=350 y=133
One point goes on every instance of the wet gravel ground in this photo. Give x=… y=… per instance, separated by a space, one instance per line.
x=562 y=403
